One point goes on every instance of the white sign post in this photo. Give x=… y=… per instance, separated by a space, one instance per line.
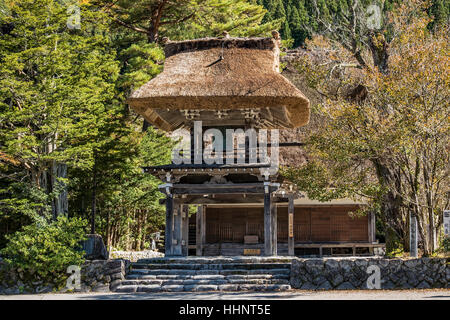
x=447 y=223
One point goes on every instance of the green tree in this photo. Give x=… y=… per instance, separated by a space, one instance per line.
x=319 y=16
x=56 y=84
x=187 y=18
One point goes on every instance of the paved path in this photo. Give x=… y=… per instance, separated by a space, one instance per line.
x=437 y=294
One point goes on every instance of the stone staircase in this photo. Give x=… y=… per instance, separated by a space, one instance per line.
x=195 y=274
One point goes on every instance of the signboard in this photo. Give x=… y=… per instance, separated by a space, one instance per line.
x=252 y=252
x=250 y=239
x=447 y=222
x=291 y=225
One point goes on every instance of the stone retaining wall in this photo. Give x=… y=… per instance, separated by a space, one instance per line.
x=96 y=276
x=353 y=273
x=305 y=273
x=102 y=275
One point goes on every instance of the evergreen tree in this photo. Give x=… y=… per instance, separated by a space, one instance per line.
x=188 y=19
x=313 y=16
x=56 y=89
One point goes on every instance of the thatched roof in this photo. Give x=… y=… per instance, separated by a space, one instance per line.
x=221 y=74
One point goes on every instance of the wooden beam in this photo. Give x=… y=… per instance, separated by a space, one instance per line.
x=169 y=226
x=221 y=199
x=291 y=239
x=185 y=230
x=237 y=188
x=340 y=245
x=268 y=245
x=199 y=230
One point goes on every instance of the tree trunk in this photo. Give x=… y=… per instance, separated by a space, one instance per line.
x=391 y=205
x=60 y=205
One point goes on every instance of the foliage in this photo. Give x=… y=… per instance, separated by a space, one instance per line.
x=56 y=89
x=385 y=128
x=44 y=250
x=302 y=19
x=396 y=251
x=187 y=19
x=445 y=244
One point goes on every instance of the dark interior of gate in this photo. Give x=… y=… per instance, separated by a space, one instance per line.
x=318 y=230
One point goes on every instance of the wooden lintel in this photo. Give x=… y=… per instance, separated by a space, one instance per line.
x=241 y=188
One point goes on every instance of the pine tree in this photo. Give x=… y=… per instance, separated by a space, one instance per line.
x=188 y=19
x=56 y=89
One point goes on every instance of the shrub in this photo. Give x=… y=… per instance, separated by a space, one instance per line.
x=445 y=244
x=43 y=251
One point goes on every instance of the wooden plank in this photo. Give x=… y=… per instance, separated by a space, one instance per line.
x=252 y=252
x=198 y=231
x=339 y=245
x=169 y=225
x=291 y=239
x=249 y=239
x=268 y=245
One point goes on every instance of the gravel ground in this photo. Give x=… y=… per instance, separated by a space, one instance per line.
x=435 y=294
x=133 y=256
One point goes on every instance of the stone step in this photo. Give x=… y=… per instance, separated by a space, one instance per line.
x=211 y=266
x=215 y=260
x=164 y=282
x=202 y=287
x=166 y=272
x=235 y=277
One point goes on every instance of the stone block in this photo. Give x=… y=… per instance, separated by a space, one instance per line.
x=94 y=247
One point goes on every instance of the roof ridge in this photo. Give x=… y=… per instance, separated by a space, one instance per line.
x=261 y=43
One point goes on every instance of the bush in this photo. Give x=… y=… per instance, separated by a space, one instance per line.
x=43 y=251
x=445 y=244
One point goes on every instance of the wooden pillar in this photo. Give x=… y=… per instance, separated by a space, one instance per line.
x=273 y=218
x=169 y=225
x=268 y=245
x=200 y=230
x=185 y=230
x=176 y=237
x=203 y=226
x=371 y=226
x=291 y=240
